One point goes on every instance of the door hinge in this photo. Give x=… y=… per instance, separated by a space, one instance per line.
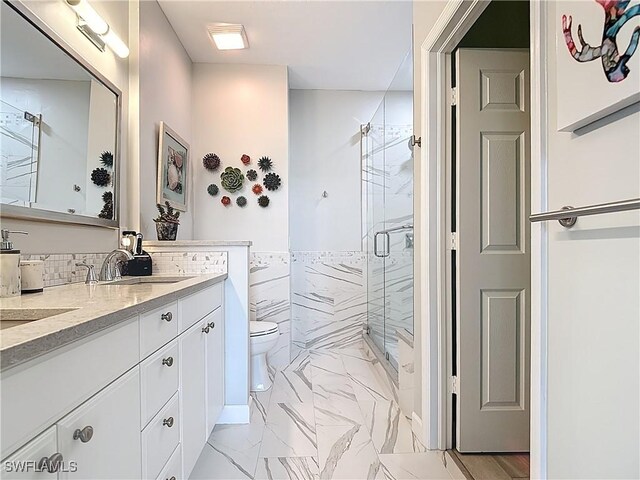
x=453 y=241
x=415 y=141
x=453 y=385
x=453 y=99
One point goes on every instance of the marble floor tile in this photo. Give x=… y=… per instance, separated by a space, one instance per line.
x=389 y=428
x=292 y=385
x=326 y=361
x=287 y=468
x=260 y=405
x=370 y=388
x=414 y=466
x=347 y=453
x=356 y=352
x=334 y=401
x=290 y=431
x=231 y=452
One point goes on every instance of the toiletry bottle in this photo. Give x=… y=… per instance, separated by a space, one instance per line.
x=10 y=284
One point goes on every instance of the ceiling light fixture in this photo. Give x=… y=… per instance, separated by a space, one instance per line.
x=227 y=36
x=96 y=29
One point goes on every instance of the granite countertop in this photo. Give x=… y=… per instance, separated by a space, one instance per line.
x=197 y=243
x=95 y=308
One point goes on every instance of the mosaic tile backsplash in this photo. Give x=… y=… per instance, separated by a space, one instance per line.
x=60 y=269
x=189 y=263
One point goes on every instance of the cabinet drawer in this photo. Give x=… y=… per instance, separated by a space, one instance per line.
x=22 y=464
x=160 y=438
x=173 y=469
x=158 y=380
x=36 y=394
x=196 y=306
x=157 y=327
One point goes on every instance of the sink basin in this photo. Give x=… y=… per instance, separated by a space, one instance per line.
x=12 y=317
x=145 y=280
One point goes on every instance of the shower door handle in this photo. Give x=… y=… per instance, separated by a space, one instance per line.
x=386 y=247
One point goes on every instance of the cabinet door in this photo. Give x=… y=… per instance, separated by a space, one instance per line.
x=192 y=403
x=215 y=367
x=35 y=459
x=103 y=434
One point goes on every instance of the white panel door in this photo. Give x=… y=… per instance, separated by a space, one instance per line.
x=193 y=396
x=103 y=434
x=493 y=267
x=215 y=366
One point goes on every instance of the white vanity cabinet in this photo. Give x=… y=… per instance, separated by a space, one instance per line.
x=103 y=434
x=145 y=414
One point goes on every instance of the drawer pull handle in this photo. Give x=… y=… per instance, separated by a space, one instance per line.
x=167 y=316
x=212 y=325
x=167 y=361
x=168 y=422
x=172 y=478
x=83 y=435
x=51 y=464
x=206 y=329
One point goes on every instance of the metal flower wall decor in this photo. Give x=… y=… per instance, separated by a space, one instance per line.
x=232 y=180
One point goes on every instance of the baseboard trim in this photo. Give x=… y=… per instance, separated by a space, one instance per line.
x=234 y=414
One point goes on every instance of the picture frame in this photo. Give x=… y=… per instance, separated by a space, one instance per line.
x=173 y=169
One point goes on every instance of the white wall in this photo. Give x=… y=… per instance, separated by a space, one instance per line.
x=425 y=15
x=241 y=109
x=325 y=155
x=59 y=238
x=594 y=294
x=165 y=95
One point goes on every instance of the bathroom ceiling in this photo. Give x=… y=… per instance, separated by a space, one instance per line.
x=342 y=45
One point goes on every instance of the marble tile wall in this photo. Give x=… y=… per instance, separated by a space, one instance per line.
x=269 y=299
x=328 y=300
x=60 y=269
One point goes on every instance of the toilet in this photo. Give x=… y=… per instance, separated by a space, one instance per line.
x=263 y=337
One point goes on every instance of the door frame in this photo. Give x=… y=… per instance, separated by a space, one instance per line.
x=454 y=22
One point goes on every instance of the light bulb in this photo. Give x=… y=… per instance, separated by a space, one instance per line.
x=85 y=11
x=115 y=44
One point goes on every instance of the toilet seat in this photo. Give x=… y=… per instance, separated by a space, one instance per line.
x=260 y=329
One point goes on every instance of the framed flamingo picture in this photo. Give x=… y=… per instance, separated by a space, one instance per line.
x=173 y=169
x=598 y=60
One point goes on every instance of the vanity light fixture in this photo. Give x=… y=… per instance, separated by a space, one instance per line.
x=96 y=29
x=228 y=36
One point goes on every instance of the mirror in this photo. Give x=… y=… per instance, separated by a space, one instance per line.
x=58 y=130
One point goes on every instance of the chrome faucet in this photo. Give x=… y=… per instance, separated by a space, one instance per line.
x=91 y=279
x=110 y=269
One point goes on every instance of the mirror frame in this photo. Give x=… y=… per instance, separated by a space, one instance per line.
x=38 y=214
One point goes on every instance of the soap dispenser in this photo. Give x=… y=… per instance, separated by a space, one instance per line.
x=10 y=284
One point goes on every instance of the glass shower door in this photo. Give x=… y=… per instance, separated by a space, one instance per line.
x=388 y=186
